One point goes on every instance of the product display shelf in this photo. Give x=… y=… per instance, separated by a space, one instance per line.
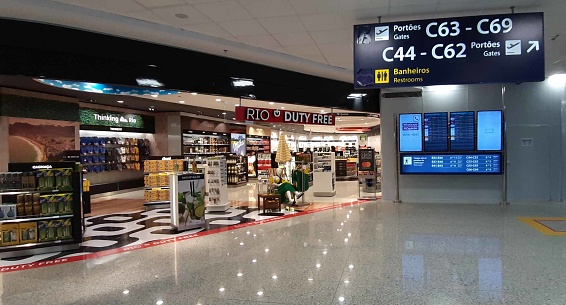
x=324 y=175
x=237 y=174
x=60 y=229
x=217 y=182
x=378 y=172
x=196 y=143
x=156 y=180
x=101 y=154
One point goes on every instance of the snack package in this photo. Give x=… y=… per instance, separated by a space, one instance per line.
x=42 y=231
x=44 y=203
x=10 y=234
x=68 y=204
x=67 y=229
x=28 y=232
x=28 y=207
x=45 y=179
x=53 y=206
x=63 y=179
x=36 y=205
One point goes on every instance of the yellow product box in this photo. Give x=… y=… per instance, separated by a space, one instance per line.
x=161 y=165
x=10 y=234
x=28 y=232
x=146 y=195
x=170 y=165
x=153 y=180
x=163 y=195
x=163 y=180
x=179 y=165
x=154 y=195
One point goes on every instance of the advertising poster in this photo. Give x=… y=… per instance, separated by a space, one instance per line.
x=191 y=192
x=34 y=140
x=238 y=144
x=366 y=162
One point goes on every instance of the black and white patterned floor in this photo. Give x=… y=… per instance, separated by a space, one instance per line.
x=107 y=232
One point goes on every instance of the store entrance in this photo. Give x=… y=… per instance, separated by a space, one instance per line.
x=128 y=139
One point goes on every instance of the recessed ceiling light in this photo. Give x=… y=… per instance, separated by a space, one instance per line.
x=271 y=103
x=223 y=112
x=282 y=107
x=182 y=102
x=120 y=102
x=194 y=93
x=153 y=66
x=366 y=123
x=219 y=100
x=322 y=111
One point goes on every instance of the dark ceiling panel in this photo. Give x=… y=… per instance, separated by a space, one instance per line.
x=33 y=49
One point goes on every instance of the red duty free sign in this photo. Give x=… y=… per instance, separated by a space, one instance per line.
x=283 y=116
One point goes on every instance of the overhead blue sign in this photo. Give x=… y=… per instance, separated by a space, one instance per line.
x=110 y=89
x=459 y=50
x=465 y=164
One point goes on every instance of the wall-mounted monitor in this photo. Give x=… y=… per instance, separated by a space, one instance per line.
x=436 y=132
x=410 y=132
x=455 y=164
x=462 y=131
x=490 y=130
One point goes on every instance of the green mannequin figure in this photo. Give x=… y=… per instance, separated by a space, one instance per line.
x=287 y=191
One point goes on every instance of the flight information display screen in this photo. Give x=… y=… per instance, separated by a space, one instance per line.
x=465 y=164
x=436 y=132
x=410 y=132
x=462 y=131
x=490 y=129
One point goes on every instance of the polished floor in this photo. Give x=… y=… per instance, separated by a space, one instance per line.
x=368 y=253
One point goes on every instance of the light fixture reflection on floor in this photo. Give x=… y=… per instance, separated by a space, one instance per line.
x=160 y=302
x=126 y=291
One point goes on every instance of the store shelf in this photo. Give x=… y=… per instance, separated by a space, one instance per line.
x=35 y=191
x=39 y=218
x=206 y=144
x=156 y=187
x=218 y=153
x=47 y=243
x=150 y=203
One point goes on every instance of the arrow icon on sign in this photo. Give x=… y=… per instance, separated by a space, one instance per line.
x=534 y=45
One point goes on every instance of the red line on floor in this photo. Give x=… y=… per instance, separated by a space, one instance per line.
x=160 y=242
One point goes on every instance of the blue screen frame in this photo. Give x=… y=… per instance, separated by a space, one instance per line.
x=403 y=171
x=410 y=132
x=489 y=130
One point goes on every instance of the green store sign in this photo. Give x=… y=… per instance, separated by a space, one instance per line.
x=94 y=119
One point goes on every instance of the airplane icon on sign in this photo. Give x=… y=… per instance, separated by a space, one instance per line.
x=381 y=33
